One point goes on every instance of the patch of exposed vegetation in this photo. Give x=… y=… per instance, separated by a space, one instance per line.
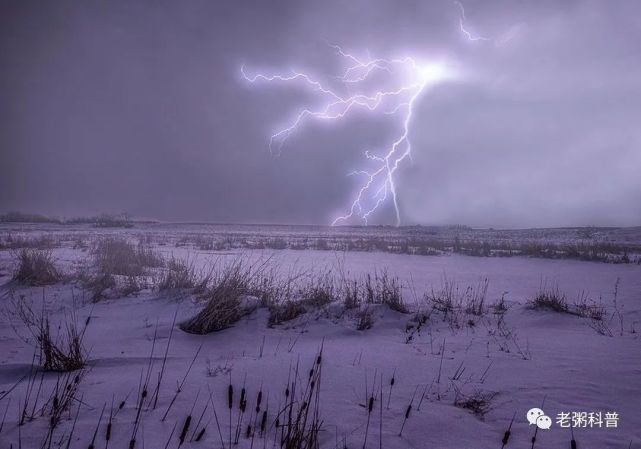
x=36 y=267
x=118 y=256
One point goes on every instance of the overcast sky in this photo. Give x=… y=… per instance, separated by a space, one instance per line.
x=140 y=106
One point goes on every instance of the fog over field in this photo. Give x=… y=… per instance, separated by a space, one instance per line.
x=320 y=225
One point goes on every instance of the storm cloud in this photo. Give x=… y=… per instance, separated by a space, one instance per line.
x=140 y=107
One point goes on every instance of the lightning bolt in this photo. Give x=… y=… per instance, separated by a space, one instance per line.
x=462 y=19
x=409 y=78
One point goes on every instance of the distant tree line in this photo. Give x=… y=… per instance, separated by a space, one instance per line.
x=122 y=220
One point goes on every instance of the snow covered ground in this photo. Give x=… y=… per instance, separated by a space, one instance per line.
x=498 y=364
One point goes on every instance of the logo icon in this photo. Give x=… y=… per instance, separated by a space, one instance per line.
x=536 y=416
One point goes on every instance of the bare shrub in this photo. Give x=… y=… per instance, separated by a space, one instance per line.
x=118 y=256
x=36 y=267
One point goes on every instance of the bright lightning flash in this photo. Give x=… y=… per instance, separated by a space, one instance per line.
x=465 y=32
x=408 y=78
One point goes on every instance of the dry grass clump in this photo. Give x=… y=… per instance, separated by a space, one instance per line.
x=131 y=286
x=285 y=311
x=384 y=289
x=319 y=290
x=118 y=256
x=474 y=298
x=550 y=299
x=63 y=352
x=364 y=319
x=594 y=313
x=586 y=308
x=108 y=286
x=224 y=296
x=223 y=309
x=351 y=294
x=478 y=402
x=180 y=274
x=18 y=241
x=458 y=306
x=286 y=297
x=444 y=300
x=290 y=297
x=36 y=267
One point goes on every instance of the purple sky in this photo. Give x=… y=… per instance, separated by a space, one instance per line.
x=140 y=107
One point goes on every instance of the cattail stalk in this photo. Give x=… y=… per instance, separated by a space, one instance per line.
x=108 y=430
x=182 y=383
x=440 y=366
x=391 y=386
x=242 y=406
x=4 y=417
x=425 y=391
x=183 y=432
x=508 y=432
x=407 y=415
x=380 y=423
x=230 y=404
x=95 y=434
x=408 y=411
x=73 y=427
x=171 y=435
x=199 y=421
x=572 y=441
x=370 y=407
x=220 y=434
x=536 y=430
x=164 y=361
